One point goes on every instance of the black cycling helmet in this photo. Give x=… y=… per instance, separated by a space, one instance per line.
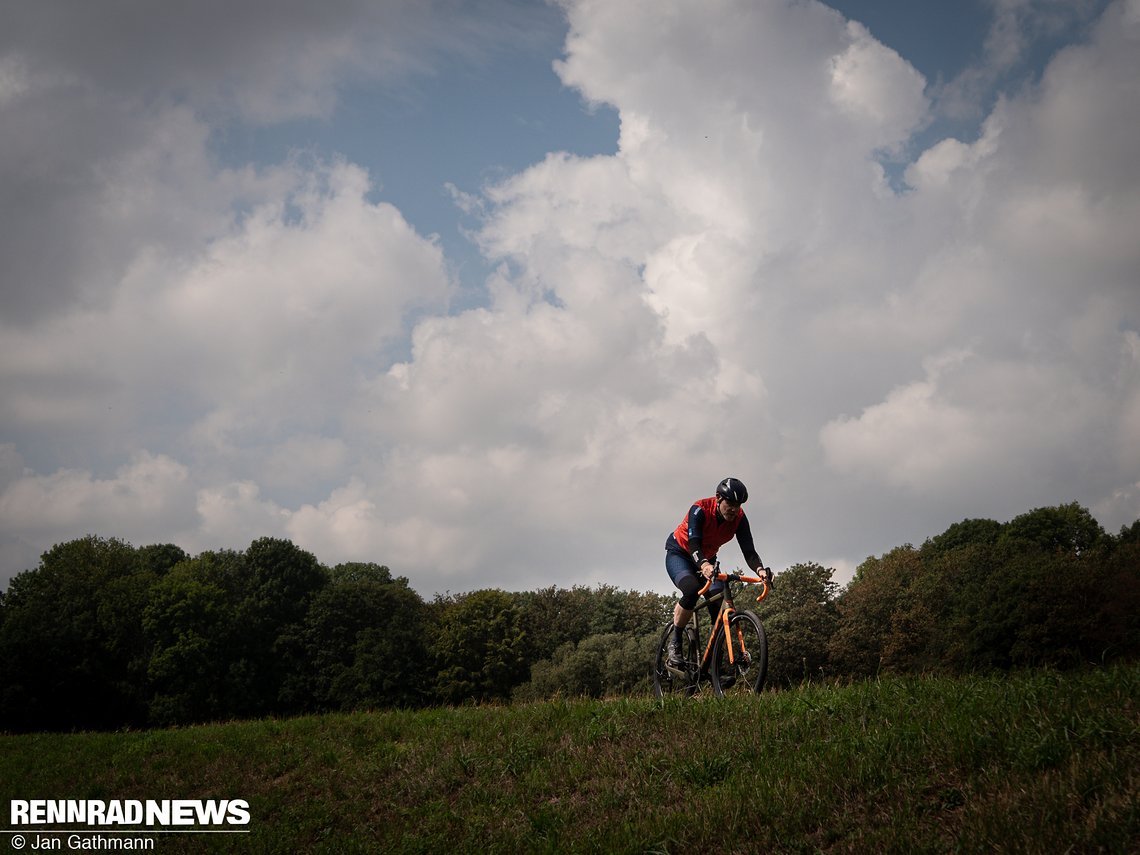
x=733 y=490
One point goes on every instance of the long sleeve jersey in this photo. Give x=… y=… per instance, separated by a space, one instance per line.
x=703 y=531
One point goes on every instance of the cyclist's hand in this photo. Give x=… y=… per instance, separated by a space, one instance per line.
x=768 y=576
x=707 y=569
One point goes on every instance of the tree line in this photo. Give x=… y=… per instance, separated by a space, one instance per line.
x=104 y=635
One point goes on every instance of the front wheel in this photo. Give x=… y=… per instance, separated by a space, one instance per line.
x=745 y=671
x=667 y=681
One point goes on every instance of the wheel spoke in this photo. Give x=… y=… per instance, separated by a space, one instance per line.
x=740 y=662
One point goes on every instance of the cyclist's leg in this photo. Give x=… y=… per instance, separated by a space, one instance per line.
x=683 y=573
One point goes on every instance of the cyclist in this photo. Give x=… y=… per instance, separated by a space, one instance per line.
x=690 y=552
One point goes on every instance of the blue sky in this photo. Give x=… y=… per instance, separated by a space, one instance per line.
x=465 y=122
x=489 y=291
x=472 y=120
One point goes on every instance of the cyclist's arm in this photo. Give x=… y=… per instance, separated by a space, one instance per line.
x=696 y=532
x=747 y=547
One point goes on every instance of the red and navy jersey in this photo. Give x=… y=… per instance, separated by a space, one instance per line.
x=703 y=531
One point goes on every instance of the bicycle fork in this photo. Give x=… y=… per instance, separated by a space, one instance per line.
x=724 y=619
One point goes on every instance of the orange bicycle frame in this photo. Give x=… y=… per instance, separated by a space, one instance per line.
x=727 y=610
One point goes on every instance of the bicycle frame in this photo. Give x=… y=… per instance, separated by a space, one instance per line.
x=715 y=667
x=727 y=610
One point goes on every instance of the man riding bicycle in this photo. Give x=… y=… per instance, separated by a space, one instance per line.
x=690 y=552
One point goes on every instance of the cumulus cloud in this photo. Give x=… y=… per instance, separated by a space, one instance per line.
x=779 y=289
x=149 y=494
x=878 y=87
x=265 y=61
x=238 y=360
x=112 y=115
x=262 y=333
x=740 y=289
x=1017 y=30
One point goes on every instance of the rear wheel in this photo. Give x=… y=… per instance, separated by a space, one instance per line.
x=668 y=681
x=745 y=671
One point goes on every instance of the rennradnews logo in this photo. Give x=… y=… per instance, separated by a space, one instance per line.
x=152 y=813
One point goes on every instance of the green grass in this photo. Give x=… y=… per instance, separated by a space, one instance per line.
x=1035 y=762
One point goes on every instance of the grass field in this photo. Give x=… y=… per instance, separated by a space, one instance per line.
x=1035 y=762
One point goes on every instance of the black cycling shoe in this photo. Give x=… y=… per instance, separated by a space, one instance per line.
x=675 y=660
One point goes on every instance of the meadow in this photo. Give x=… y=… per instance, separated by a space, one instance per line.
x=1031 y=762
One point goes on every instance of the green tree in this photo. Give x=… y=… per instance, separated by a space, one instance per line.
x=1047 y=592
x=360 y=645
x=1059 y=608
x=555 y=616
x=1116 y=631
x=479 y=647
x=219 y=629
x=1064 y=528
x=360 y=571
x=968 y=532
x=552 y=617
x=885 y=616
x=283 y=578
x=161 y=558
x=604 y=665
x=72 y=653
x=1129 y=534
x=642 y=613
x=190 y=623
x=800 y=617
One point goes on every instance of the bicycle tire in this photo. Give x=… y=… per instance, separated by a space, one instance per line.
x=665 y=682
x=746 y=673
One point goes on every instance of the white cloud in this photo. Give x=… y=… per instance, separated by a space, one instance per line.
x=152 y=493
x=227 y=513
x=949 y=163
x=1017 y=28
x=14 y=80
x=878 y=88
x=267 y=61
x=114 y=117
x=738 y=290
x=241 y=359
x=912 y=439
x=273 y=323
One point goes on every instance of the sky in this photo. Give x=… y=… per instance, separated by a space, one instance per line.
x=489 y=291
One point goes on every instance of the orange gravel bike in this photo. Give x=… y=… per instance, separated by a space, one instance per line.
x=735 y=658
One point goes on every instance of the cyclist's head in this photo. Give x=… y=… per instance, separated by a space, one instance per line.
x=732 y=490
